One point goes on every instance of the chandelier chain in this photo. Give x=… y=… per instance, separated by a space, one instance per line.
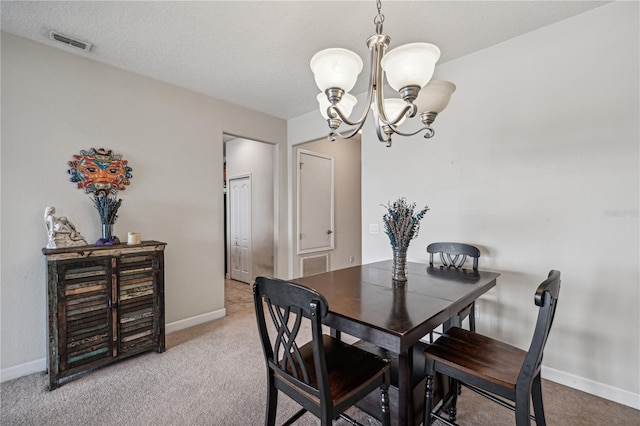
x=379 y=19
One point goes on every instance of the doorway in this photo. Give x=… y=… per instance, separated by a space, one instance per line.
x=250 y=215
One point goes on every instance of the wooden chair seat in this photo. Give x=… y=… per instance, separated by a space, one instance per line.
x=480 y=356
x=349 y=368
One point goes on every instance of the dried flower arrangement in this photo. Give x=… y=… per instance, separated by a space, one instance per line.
x=401 y=224
x=107 y=207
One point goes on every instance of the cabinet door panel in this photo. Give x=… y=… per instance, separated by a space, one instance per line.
x=138 y=303
x=84 y=306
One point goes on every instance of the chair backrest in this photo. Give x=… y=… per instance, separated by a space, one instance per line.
x=453 y=254
x=290 y=304
x=546 y=297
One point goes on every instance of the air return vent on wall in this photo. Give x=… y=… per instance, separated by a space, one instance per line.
x=83 y=45
x=311 y=265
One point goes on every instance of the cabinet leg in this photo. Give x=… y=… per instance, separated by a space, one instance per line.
x=53 y=382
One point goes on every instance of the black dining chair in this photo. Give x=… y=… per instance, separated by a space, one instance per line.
x=324 y=375
x=492 y=368
x=454 y=255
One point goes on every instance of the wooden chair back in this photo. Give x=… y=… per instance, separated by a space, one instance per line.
x=323 y=374
x=288 y=305
x=453 y=254
x=546 y=297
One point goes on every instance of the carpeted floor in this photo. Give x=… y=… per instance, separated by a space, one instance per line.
x=214 y=374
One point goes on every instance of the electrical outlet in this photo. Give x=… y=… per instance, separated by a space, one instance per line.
x=373 y=228
x=351 y=259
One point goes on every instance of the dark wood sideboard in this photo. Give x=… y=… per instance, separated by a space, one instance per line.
x=105 y=303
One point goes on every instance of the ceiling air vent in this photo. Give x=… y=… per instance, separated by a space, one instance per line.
x=70 y=41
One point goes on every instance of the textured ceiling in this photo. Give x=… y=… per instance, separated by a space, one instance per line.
x=256 y=53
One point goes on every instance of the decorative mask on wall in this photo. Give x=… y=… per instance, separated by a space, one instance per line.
x=99 y=170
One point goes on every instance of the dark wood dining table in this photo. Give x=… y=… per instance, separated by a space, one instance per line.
x=366 y=303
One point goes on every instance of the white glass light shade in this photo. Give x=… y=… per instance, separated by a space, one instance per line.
x=336 y=67
x=392 y=107
x=345 y=105
x=410 y=64
x=434 y=97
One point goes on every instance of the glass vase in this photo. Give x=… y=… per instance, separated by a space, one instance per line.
x=399 y=265
x=107 y=230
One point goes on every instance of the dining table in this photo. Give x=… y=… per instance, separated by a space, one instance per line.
x=366 y=303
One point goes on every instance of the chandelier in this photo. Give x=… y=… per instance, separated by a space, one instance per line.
x=408 y=69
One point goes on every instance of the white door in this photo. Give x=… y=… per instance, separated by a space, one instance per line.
x=315 y=202
x=240 y=228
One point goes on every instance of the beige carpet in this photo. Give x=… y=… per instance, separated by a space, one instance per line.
x=214 y=374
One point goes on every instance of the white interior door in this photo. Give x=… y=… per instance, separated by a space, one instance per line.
x=315 y=202
x=240 y=228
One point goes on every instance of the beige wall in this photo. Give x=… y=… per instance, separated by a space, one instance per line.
x=53 y=105
x=347 y=212
x=536 y=161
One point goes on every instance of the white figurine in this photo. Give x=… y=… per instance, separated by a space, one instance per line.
x=62 y=233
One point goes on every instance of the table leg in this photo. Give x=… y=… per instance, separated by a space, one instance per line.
x=335 y=333
x=447 y=325
x=405 y=390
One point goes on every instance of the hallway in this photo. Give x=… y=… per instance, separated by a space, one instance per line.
x=237 y=296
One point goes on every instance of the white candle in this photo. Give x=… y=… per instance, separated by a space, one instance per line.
x=133 y=238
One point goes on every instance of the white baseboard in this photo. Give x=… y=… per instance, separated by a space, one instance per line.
x=40 y=365
x=589 y=386
x=37 y=366
x=198 y=319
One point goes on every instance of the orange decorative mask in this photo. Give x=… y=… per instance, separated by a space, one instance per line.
x=100 y=171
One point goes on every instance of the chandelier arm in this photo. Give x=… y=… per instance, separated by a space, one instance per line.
x=334 y=112
x=429 y=131
x=348 y=136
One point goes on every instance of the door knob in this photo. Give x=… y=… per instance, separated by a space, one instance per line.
x=329 y=231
